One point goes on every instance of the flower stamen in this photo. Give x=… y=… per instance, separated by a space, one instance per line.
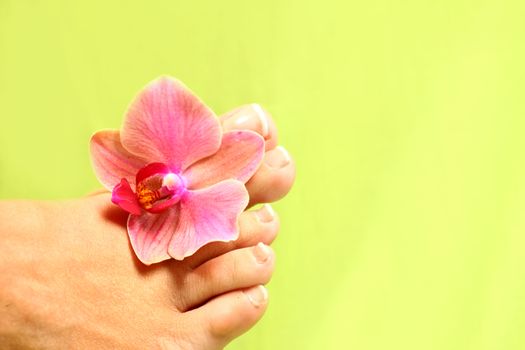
x=147 y=196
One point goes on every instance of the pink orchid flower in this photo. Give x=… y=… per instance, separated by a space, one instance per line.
x=177 y=174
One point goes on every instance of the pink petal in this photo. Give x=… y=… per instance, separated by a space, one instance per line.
x=208 y=215
x=123 y=196
x=150 y=234
x=239 y=156
x=111 y=161
x=167 y=123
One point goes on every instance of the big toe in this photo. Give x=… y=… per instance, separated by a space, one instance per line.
x=252 y=117
x=276 y=175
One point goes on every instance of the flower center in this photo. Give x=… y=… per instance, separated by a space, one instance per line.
x=157 y=188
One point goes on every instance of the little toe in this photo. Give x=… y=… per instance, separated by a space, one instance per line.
x=252 y=117
x=231 y=314
x=261 y=225
x=274 y=178
x=237 y=269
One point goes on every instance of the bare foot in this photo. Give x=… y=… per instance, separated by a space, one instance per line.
x=70 y=280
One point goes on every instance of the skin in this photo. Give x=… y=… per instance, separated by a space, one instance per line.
x=71 y=281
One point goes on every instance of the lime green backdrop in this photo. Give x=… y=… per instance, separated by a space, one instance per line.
x=405 y=229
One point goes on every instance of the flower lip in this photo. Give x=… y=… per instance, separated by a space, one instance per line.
x=123 y=196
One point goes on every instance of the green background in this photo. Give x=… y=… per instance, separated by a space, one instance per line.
x=405 y=229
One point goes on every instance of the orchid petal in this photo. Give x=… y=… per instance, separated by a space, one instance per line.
x=168 y=123
x=239 y=156
x=150 y=234
x=123 y=196
x=208 y=215
x=111 y=161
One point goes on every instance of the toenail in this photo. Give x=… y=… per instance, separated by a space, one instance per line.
x=262 y=252
x=277 y=158
x=265 y=214
x=249 y=118
x=257 y=295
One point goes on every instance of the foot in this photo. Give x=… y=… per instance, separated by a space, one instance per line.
x=78 y=285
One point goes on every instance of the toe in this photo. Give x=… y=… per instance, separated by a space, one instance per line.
x=276 y=174
x=231 y=314
x=255 y=226
x=274 y=178
x=237 y=269
x=252 y=117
